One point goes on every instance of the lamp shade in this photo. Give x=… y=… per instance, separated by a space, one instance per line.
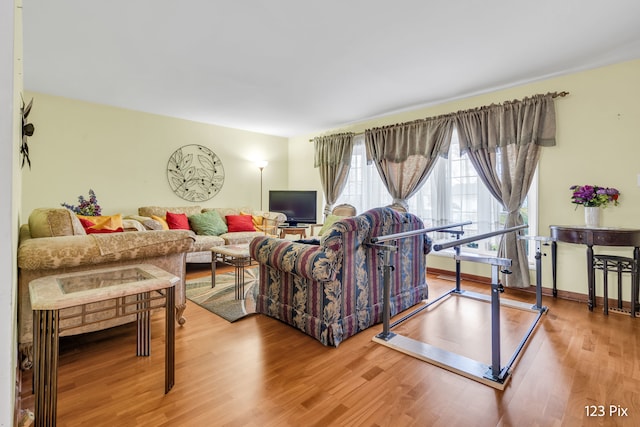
x=262 y=164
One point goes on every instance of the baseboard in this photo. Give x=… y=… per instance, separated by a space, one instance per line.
x=571 y=296
x=566 y=295
x=451 y=275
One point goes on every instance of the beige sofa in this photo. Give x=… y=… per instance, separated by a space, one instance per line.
x=54 y=242
x=201 y=252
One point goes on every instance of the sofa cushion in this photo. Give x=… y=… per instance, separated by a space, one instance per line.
x=205 y=243
x=177 y=221
x=208 y=224
x=54 y=222
x=237 y=223
x=240 y=237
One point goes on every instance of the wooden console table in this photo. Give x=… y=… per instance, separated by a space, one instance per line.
x=50 y=294
x=602 y=236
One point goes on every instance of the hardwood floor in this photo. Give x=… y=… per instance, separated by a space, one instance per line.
x=261 y=372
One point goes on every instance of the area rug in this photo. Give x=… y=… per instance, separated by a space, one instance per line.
x=221 y=300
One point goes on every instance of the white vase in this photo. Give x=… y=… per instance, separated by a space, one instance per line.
x=592 y=216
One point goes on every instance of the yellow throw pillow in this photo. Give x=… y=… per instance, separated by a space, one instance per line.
x=162 y=221
x=257 y=219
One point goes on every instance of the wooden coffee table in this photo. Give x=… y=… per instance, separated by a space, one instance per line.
x=51 y=294
x=235 y=255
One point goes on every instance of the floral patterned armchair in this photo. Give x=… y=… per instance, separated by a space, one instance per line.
x=334 y=290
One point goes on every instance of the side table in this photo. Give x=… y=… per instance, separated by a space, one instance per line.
x=52 y=293
x=236 y=255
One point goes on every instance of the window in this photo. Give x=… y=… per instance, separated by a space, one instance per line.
x=453 y=193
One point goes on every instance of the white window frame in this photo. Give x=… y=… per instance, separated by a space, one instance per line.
x=364 y=190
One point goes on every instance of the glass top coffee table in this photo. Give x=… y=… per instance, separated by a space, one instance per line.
x=135 y=290
x=236 y=255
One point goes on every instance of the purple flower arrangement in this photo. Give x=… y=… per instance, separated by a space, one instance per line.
x=594 y=195
x=86 y=207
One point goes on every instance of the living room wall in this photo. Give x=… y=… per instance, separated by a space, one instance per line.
x=122 y=155
x=598 y=135
x=10 y=138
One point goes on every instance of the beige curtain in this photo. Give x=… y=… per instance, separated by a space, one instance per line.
x=503 y=143
x=333 y=158
x=405 y=154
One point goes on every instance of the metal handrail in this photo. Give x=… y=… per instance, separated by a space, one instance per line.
x=396 y=236
x=459 y=242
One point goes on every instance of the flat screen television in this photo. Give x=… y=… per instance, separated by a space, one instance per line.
x=299 y=206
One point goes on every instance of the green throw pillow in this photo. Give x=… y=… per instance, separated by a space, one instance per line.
x=329 y=222
x=208 y=224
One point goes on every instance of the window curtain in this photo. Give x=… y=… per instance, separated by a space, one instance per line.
x=333 y=158
x=404 y=154
x=503 y=143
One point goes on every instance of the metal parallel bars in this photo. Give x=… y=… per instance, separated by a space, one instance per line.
x=387 y=267
x=493 y=375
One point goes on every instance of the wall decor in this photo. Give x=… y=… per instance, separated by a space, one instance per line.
x=195 y=173
x=27 y=131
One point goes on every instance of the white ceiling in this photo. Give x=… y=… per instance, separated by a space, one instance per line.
x=291 y=67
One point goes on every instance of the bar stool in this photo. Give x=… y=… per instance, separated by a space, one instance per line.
x=621 y=265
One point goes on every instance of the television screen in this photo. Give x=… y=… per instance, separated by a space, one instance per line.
x=298 y=206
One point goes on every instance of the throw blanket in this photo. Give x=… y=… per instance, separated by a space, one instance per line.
x=140 y=241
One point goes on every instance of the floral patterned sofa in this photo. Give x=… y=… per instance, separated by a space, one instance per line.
x=54 y=242
x=334 y=290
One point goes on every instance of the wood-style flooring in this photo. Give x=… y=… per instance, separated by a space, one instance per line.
x=580 y=368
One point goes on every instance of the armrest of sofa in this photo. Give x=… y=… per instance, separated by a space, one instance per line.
x=49 y=253
x=308 y=261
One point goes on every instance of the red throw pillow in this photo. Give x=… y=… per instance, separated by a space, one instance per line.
x=240 y=223
x=88 y=227
x=177 y=221
x=86 y=223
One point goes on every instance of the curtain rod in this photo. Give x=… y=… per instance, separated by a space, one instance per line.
x=553 y=95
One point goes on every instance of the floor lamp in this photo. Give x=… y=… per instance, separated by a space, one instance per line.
x=261 y=165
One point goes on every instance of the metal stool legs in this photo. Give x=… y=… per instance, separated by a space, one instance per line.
x=621 y=265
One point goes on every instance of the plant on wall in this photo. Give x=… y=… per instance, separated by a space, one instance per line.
x=27 y=131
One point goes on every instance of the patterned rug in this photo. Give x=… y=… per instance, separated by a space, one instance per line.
x=221 y=299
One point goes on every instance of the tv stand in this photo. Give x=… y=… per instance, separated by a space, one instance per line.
x=300 y=230
x=294 y=225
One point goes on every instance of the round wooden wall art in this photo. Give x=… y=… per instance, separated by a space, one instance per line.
x=195 y=173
